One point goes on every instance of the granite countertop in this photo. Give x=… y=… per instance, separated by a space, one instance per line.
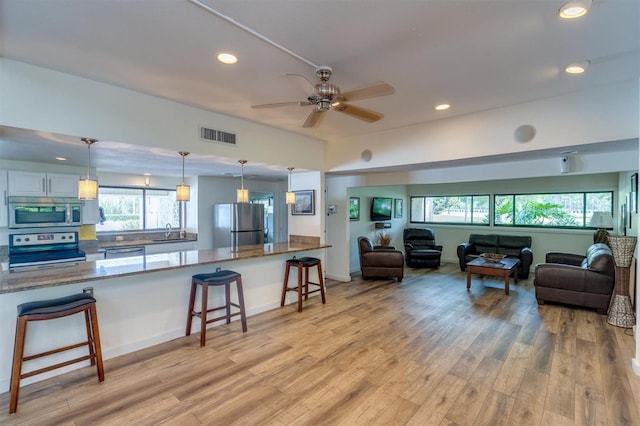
x=13 y=281
x=142 y=242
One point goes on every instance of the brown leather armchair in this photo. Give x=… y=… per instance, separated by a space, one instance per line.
x=582 y=280
x=380 y=263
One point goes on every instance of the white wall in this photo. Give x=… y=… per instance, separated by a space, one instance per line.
x=51 y=101
x=604 y=114
x=312 y=225
x=338 y=226
x=366 y=227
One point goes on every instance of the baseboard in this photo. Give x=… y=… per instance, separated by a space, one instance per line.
x=341 y=278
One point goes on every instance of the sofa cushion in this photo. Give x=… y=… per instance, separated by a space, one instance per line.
x=512 y=245
x=484 y=243
x=599 y=259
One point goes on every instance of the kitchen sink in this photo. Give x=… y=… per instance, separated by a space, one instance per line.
x=168 y=239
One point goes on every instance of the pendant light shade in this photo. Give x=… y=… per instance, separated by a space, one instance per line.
x=182 y=190
x=243 y=194
x=291 y=196
x=88 y=188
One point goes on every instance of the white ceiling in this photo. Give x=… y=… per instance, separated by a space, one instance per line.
x=474 y=54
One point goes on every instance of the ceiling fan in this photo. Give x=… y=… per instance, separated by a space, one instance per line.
x=327 y=96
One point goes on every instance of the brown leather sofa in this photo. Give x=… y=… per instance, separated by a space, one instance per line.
x=515 y=246
x=380 y=262
x=573 y=279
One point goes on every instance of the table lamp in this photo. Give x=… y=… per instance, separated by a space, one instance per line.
x=602 y=221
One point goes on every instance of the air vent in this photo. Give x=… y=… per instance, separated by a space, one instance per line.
x=208 y=134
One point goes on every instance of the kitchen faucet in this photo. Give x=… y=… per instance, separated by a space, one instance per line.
x=167 y=233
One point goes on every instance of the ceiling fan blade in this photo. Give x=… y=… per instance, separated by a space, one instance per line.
x=281 y=104
x=358 y=112
x=313 y=119
x=378 y=89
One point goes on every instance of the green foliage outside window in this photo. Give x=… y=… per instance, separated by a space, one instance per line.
x=555 y=210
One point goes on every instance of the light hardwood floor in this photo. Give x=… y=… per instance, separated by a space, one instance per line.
x=422 y=352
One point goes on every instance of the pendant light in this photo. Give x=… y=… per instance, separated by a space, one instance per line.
x=88 y=188
x=243 y=194
x=182 y=191
x=291 y=196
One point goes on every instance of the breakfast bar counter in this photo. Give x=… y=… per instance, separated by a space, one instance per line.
x=142 y=300
x=85 y=272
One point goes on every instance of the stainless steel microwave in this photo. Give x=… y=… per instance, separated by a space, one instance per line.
x=36 y=212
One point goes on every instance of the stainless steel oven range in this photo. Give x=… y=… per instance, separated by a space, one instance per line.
x=42 y=249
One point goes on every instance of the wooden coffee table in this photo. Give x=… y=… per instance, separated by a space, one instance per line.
x=504 y=268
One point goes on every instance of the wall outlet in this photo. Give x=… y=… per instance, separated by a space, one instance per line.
x=88 y=290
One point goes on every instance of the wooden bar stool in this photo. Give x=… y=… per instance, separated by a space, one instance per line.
x=46 y=310
x=220 y=277
x=303 y=263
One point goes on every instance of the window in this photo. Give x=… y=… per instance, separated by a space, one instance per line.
x=463 y=209
x=135 y=209
x=557 y=210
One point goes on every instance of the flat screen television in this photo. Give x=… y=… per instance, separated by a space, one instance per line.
x=381 y=208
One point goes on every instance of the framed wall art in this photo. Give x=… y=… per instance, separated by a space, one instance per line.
x=397 y=207
x=354 y=208
x=305 y=203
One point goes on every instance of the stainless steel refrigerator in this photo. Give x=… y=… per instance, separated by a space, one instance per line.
x=237 y=225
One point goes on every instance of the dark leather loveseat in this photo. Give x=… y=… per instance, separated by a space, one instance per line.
x=510 y=245
x=420 y=248
x=581 y=280
x=380 y=263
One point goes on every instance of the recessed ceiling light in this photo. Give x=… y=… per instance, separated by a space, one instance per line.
x=577 y=68
x=442 y=107
x=227 y=58
x=61 y=159
x=146 y=174
x=573 y=9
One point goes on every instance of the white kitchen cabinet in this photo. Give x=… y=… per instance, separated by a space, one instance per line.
x=4 y=203
x=34 y=184
x=89 y=214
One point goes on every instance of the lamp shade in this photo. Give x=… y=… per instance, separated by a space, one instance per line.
x=243 y=195
x=291 y=197
x=182 y=193
x=601 y=220
x=88 y=189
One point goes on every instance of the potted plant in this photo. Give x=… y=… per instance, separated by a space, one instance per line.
x=383 y=238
